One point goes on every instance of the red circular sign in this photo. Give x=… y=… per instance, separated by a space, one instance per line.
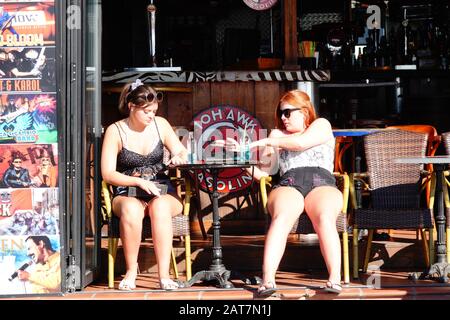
x=223 y=122
x=260 y=4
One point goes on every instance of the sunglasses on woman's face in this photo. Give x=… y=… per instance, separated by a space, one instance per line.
x=286 y=112
x=151 y=98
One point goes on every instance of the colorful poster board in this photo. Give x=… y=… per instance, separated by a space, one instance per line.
x=30 y=261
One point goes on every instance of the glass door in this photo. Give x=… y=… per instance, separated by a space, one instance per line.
x=83 y=143
x=91 y=128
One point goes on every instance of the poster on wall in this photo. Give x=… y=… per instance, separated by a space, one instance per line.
x=28 y=118
x=29 y=166
x=30 y=264
x=27 y=23
x=27 y=69
x=26 y=212
x=27 y=46
x=30 y=261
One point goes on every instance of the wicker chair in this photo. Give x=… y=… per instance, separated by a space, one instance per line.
x=433 y=142
x=433 y=139
x=180 y=224
x=394 y=189
x=446 y=138
x=303 y=224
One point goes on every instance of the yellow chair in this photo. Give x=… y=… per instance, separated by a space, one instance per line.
x=304 y=225
x=180 y=225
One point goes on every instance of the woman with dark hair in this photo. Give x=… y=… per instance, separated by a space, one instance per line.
x=304 y=147
x=131 y=147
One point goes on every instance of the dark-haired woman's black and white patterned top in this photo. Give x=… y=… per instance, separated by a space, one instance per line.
x=317 y=156
x=132 y=163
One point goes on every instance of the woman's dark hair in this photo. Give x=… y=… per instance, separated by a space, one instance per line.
x=137 y=97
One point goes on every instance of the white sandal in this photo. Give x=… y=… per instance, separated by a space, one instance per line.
x=170 y=285
x=127 y=285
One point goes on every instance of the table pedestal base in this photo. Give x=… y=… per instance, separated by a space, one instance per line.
x=208 y=275
x=222 y=276
x=438 y=271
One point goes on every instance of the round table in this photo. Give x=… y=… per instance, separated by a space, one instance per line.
x=217 y=270
x=441 y=267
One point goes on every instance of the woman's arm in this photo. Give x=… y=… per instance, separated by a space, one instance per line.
x=317 y=133
x=268 y=164
x=172 y=142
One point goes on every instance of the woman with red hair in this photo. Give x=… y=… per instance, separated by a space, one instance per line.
x=304 y=147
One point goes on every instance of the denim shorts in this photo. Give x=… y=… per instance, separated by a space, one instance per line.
x=304 y=179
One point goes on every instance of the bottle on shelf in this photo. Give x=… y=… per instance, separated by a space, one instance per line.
x=191 y=148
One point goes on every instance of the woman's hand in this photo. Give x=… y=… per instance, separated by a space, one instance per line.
x=229 y=144
x=233 y=145
x=258 y=143
x=148 y=186
x=178 y=159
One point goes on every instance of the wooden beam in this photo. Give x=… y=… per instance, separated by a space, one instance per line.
x=290 y=34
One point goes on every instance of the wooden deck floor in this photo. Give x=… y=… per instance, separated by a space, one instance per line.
x=392 y=285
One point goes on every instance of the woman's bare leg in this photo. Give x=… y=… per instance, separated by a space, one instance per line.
x=323 y=205
x=285 y=205
x=161 y=211
x=131 y=212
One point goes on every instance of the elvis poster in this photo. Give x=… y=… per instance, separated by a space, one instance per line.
x=21 y=253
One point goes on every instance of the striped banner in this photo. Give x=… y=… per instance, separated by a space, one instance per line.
x=217 y=76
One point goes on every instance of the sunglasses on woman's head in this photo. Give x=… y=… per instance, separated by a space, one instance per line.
x=286 y=112
x=150 y=98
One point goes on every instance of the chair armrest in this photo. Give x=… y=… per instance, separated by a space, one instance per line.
x=263 y=183
x=106 y=206
x=343 y=183
x=435 y=142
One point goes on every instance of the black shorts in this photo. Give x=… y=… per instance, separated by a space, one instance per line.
x=304 y=179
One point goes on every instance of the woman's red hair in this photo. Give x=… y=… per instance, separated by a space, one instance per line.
x=298 y=99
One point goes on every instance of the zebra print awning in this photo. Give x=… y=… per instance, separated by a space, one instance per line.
x=211 y=76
